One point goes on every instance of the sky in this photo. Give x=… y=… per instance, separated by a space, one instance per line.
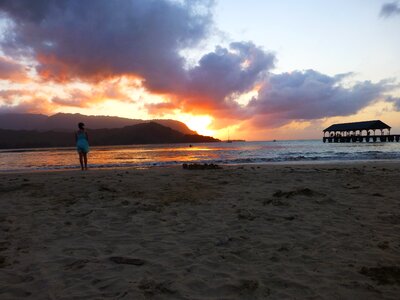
x=256 y=70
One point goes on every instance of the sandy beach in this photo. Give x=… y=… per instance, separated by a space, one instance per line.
x=320 y=231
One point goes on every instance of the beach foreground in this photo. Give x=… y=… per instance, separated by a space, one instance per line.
x=243 y=232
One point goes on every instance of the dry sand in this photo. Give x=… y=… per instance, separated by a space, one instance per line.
x=243 y=232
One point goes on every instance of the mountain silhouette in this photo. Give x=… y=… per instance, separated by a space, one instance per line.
x=144 y=133
x=68 y=122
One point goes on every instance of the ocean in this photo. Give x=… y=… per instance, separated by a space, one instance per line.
x=144 y=156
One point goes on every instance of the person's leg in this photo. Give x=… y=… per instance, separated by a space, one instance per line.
x=81 y=159
x=85 y=159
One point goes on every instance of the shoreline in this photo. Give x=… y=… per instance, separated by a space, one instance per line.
x=179 y=165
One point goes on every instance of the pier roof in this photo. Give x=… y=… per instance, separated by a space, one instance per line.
x=366 y=125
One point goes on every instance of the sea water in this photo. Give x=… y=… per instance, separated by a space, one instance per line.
x=143 y=156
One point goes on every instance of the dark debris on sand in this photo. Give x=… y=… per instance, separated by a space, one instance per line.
x=303 y=192
x=201 y=166
x=127 y=260
x=383 y=275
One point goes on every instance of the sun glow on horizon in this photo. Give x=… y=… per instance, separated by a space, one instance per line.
x=200 y=124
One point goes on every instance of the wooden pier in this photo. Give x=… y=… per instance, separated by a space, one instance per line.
x=359 y=132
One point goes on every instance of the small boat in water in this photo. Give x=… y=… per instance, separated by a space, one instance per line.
x=228 y=140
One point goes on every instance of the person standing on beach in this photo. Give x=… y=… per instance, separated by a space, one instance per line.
x=82 y=145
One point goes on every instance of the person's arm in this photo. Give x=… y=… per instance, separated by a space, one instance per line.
x=87 y=136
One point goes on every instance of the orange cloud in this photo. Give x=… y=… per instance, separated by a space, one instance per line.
x=113 y=89
x=34 y=106
x=12 y=71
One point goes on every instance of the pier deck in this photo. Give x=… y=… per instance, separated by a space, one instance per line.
x=361 y=139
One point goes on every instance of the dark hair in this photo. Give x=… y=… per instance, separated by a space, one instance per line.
x=81 y=125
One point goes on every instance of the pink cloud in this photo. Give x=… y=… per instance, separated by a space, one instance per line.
x=12 y=71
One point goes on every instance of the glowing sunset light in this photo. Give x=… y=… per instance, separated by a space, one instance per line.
x=244 y=99
x=200 y=124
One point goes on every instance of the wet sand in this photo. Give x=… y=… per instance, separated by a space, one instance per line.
x=243 y=232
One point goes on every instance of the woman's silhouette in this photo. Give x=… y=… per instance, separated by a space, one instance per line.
x=82 y=145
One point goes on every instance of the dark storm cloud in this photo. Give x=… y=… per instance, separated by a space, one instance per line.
x=311 y=95
x=27 y=10
x=390 y=9
x=227 y=71
x=221 y=75
x=97 y=39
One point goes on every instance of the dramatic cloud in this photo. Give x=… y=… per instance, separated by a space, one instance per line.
x=390 y=9
x=98 y=39
x=227 y=71
x=310 y=95
x=212 y=85
x=10 y=70
x=24 y=99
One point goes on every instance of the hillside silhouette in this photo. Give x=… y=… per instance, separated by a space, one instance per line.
x=144 y=133
x=68 y=122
